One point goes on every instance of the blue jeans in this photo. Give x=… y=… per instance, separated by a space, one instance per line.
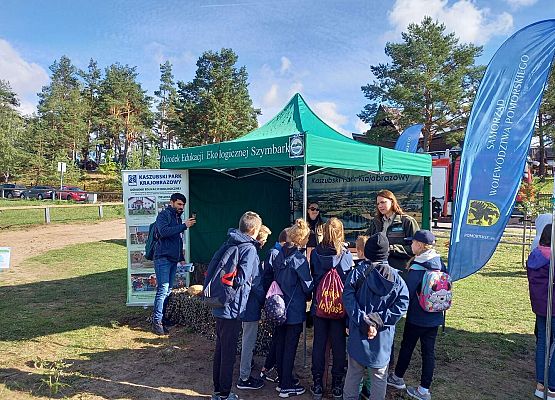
x=540 y=352
x=165 y=275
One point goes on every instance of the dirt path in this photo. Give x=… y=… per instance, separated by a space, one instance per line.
x=29 y=243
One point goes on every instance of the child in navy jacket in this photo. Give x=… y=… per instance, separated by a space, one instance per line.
x=419 y=325
x=292 y=273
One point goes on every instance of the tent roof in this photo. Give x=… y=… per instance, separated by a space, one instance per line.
x=297 y=136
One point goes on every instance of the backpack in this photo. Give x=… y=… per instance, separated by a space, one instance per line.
x=435 y=292
x=274 y=306
x=329 y=303
x=152 y=239
x=220 y=291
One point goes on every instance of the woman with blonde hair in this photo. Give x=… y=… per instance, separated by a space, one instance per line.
x=292 y=273
x=397 y=226
x=330 y=254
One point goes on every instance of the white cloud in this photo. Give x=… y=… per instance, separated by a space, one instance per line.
x=515 y=4
x=160 y=53
x=470 y=23
x=327 y=110
x=285 y=65
x=361 y=126
x=25 y=78
x=271 y=98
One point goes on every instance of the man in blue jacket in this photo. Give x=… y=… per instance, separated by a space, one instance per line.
x=168 y=252
x=228 y=322
x=375 y=298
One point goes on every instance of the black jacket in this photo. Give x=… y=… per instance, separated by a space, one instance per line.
x=402 y=227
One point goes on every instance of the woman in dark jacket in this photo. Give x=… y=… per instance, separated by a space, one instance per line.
x=397 y=226
x=292 y=273
x=315 y=223
x=330 y=253
x=537 y=269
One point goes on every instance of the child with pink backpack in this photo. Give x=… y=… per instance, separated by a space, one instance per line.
x=430 y=294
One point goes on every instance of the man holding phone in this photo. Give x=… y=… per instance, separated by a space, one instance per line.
x=168 y=252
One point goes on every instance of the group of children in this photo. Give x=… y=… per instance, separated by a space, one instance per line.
x=374 y=298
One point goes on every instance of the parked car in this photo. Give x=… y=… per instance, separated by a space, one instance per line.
x=11 y=190
x=41 y=192
x=71 y=193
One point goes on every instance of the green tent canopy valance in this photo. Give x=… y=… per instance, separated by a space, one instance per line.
x=295 y=137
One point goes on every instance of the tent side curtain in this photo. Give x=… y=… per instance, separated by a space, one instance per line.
x=350 y=154
x=400 y=162
x=333 y=153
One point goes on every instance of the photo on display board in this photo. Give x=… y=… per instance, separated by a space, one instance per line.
x=139 y=261
x=138 y=234
x=143 y=282
x=162 y=204
x=141 y=205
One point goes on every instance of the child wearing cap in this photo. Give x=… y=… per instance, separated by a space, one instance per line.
x=419 y=324
x=375 y=298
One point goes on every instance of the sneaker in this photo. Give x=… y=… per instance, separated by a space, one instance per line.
x=270 y=375
x=296 y=382
x=215 y=396
x=539 y=392
x=337 y=387
x=317 y=390
x=396 y=382
x=415 y=393
x=158 y=328
x=231 y=396
x=296 y=390
x=251 y=383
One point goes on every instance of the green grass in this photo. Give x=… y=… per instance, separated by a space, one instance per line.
x=545 y=186
x=71 y=306
x=9 y=218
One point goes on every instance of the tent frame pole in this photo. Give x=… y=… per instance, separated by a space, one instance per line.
x=305 y=206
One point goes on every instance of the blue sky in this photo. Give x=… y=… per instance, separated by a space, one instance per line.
x=322 y=49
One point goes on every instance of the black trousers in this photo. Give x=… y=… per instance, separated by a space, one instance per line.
x=227 y=334
x=271 y=356
x=411 y=336
x=334 y=330
x=287 y=340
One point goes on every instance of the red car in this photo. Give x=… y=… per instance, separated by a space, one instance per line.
x=71 y=193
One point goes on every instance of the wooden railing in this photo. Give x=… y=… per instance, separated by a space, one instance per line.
x=47 y=208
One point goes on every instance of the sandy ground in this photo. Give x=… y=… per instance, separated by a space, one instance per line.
x=40 y=239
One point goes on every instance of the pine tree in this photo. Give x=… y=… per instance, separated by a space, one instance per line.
x=62 y=107
x=216 y=105
x=12 y=158
x=90 y=93
x=431 y=78
x=165 y=116
x=125 y=108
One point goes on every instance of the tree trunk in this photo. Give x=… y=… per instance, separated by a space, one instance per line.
x=542 y=145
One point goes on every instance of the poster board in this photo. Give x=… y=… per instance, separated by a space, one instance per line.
x=350 y=195
x=145 y=194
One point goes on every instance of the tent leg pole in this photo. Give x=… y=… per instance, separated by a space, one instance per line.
x=305 y=205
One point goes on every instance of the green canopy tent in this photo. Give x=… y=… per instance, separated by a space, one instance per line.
x=256 y=172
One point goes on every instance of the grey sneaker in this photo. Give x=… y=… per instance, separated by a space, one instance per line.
x=396 y=382
x=415 y=393
x=231 y=396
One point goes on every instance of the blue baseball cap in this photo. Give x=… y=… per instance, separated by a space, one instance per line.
x=423 y=236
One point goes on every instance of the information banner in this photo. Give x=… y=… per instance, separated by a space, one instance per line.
x=351 y=196
x=145 y=194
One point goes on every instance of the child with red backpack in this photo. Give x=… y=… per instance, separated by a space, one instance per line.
x=422 y=320
x=330 y=262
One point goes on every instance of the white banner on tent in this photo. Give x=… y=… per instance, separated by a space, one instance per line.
x=145 y=194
